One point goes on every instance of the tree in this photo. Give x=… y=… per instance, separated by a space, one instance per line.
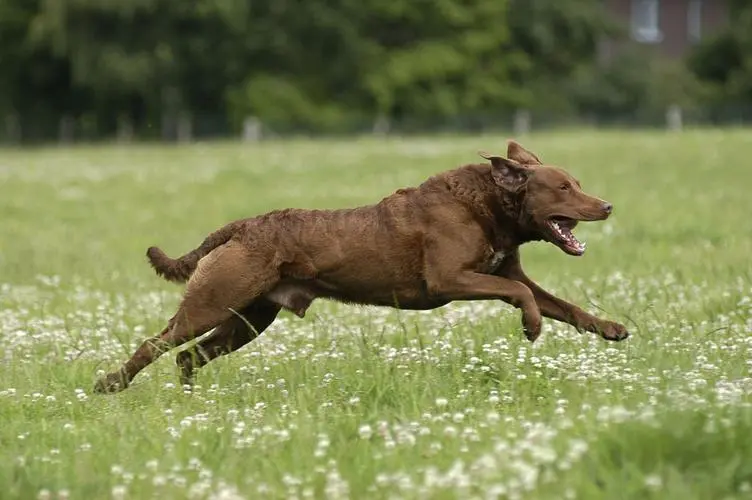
x=560 y=39
x=305 y=64
x=725 y=60
x=139 y=59
x=35 y=84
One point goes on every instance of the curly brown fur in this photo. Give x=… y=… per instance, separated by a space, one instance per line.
x=180 y=270
x=456 y=236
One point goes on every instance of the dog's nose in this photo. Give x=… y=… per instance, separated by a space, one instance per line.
x=608 y=208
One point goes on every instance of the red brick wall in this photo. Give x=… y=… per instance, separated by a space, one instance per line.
x=620 y=11
x=672 y=20
x=673 y=24
x=715 y=16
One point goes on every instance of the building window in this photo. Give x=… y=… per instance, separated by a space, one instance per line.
x=645 y=27
x=694 y=20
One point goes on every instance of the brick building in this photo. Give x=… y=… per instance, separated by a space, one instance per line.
x=671 y=26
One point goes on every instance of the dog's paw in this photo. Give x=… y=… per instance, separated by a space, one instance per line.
x=531 y=327
x=111 y=383
x=531 y=335
x=614 y=331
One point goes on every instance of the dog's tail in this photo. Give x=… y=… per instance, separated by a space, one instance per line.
x=180 y=270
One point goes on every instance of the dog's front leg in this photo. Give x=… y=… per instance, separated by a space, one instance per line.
x=558 y=309
x=478 y=286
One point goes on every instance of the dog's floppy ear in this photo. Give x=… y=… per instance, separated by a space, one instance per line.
x=508 y=174
x=516 y=152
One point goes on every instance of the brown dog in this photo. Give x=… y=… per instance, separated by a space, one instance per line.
x=454 y=237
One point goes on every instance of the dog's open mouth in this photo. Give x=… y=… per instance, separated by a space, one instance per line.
x=561 y=235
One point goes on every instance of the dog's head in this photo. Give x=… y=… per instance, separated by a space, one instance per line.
x=552 y=201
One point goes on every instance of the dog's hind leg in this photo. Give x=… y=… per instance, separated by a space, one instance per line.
x=226 y=280
x=230 y=336
x=182 y=328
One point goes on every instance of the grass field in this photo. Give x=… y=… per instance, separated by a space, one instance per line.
x=356 y=402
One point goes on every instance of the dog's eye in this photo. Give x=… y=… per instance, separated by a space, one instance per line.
x=564 y=187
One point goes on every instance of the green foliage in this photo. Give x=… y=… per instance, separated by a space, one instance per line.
x=34 y=80
x=725 y=61
x=313 y=64
x=442 y=58
x=541 y=29
x=635 y=84
x=281 y=102
x=327 y=65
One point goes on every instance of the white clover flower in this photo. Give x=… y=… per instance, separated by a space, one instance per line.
x=365 y=431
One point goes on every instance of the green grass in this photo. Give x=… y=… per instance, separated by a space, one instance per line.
x=356 y=402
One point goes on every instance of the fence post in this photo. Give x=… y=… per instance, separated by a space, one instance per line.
x=184 y=128
x=66 y=129
x=522 y=121
x=170 y=113
x=12 y=128
x=674 y=119
x=166 y=126
x=251 y=129
x=381 y=126
x=124 y=129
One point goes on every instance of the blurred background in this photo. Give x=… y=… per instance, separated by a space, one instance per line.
x=175 y=71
